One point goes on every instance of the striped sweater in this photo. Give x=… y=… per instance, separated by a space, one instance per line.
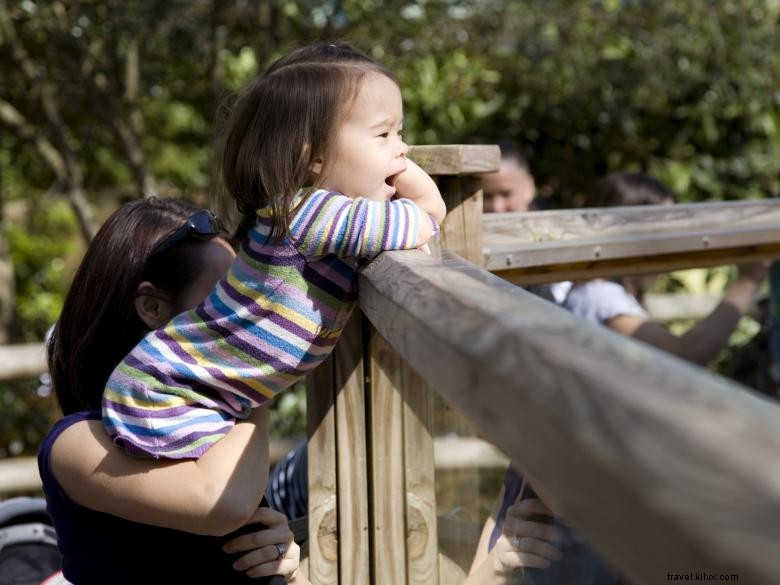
x=274 y=317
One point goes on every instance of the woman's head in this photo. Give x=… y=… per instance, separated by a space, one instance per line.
x=617 y=189
x=126 y=285
x=284 y=133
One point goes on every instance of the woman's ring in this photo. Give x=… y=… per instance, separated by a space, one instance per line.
x=281 y=550
x=515 y=540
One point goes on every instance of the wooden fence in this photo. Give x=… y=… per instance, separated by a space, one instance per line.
x=663 y=466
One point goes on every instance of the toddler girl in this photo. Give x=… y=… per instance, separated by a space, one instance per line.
x=314 y=159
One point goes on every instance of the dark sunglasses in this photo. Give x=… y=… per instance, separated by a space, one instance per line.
x=202 y=224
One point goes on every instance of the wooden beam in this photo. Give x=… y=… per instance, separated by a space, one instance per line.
x=538 y=247
x=662 y=465
x=352 y=454
x=457 y=159
x=579 y=224
x=323 y=559
x=22 y=361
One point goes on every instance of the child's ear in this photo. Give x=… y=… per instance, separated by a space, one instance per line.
x=316 y=166
x=153 y=306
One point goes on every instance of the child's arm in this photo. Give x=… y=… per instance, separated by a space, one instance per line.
x=417 y=185
x=213 y=495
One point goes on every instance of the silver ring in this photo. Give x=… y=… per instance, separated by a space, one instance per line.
x=515 y=540
x=280 y=550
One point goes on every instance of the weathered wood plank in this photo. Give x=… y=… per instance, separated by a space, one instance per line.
x=578 y=224
x=456 y=159
x=537 y=247
x=351 y=450
x=422 y=552
x=387 y=464
x=461 y=230
x=556 y=271
x=22 y=361
x=662 y=465
x=323 y=498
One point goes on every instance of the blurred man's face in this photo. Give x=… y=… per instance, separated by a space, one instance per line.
x=510 y=189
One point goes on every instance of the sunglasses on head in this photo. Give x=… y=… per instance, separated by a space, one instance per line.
x=202 y=224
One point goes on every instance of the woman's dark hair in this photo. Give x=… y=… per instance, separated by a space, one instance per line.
x=99 y=325
x=282 y=122
x=618 y=189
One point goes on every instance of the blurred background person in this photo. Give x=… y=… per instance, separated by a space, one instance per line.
x=512 y=188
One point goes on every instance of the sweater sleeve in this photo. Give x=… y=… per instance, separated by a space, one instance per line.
x=331 y=223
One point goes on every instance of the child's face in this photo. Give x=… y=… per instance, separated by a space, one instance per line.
x=369 y=153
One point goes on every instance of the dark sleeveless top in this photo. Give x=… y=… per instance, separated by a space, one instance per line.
x=101 y=548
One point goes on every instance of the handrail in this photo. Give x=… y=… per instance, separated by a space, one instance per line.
x=664 y=466
x=529 y=248
x=22 y=361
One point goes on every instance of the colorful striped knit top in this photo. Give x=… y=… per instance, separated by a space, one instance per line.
x=274 y=317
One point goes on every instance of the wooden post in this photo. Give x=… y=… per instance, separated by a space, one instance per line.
x=372 y=505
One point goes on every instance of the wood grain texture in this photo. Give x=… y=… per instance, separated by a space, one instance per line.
x=323 y=566
x=22 y=361
x=461 y=230
x=538 y=247
x=457 y=159
x=577 y=224
x=422 y=552
x=663 y=466
x=387 y=464
x=351 y=450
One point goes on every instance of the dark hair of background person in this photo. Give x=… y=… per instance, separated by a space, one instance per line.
x=511 y=150
x=307 y=101
x=621 y=188
x=99 y=325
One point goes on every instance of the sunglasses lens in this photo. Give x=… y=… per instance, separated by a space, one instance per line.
x=205 y=223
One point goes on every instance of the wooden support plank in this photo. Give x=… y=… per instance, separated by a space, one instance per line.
x=351 y=450
x=539 y=247
x=422 y=547
x=457 y=159
x=461 y=230
x=589 y=223
x=387 y=464
x=22 y=361
x=557 y=271
x=323 y=498
x=662 y=465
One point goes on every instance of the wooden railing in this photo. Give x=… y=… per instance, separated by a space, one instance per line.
x=665 y=467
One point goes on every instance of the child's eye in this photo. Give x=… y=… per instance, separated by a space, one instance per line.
x=401 y=133
x=384 y=134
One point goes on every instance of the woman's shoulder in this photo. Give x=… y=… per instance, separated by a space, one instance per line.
x=64 y=424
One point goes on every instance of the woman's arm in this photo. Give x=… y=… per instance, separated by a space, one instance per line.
x=213 y=495
x=702 y=343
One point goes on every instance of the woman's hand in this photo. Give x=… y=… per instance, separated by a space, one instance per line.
x=524 y=542
x=262 y=548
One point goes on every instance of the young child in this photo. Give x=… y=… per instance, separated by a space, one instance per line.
x=314 y=159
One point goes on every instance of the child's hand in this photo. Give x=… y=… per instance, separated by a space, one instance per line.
x=525 y=542
x=415 y=184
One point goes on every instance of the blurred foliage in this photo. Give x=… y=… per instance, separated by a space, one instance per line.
x=686 y=91
x=29 y=409
x=42 y=246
